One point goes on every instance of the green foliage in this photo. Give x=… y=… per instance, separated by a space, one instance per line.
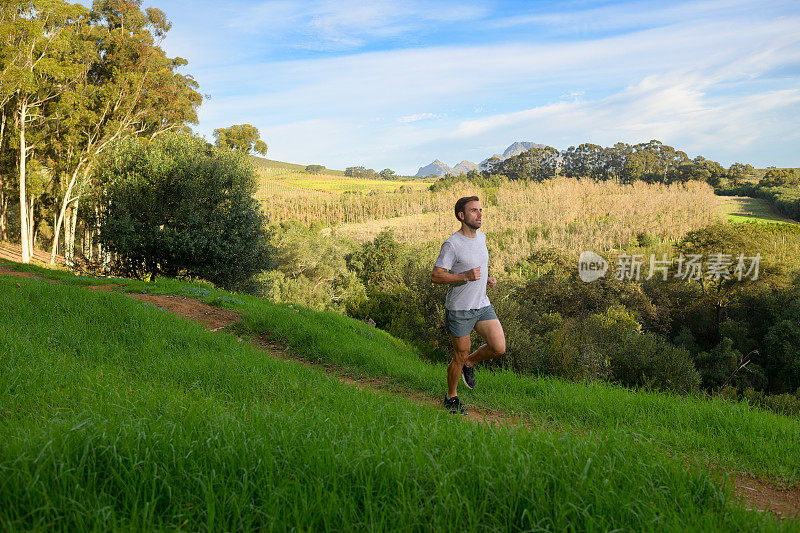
x=359 y=172
x=242 y=137
x=377 y=261
x=388 y=174
x=780 y=177
x=175 y=207
x=647 y=360
x=309 y=269
x=724 y=365
x=315 y=169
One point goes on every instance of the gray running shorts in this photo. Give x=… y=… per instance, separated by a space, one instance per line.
x=460 y=323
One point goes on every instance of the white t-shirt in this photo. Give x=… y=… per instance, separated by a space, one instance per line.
x=459 y=254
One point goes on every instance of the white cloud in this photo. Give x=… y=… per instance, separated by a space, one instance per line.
x=697 y=85
x=637 y=15
x=345 y=24
x=417 y=117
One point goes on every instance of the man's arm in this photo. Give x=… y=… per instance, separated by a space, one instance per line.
x=443 y=277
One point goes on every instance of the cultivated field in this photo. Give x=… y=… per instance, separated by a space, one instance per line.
x=739 y=209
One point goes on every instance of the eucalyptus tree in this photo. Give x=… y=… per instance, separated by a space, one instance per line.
x=37 y=39
x=131 y=88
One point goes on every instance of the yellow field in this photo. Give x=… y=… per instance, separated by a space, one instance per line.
x=568 y=214
x=284 y=181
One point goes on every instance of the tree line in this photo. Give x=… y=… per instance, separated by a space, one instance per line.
x=73 y=81
x=652 y=162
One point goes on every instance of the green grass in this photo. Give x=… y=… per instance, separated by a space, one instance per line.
x=117 y=415
x=739 y=209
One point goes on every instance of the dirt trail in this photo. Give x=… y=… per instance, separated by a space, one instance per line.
x=754 y=493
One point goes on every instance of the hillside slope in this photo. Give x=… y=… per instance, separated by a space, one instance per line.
x=224 y=438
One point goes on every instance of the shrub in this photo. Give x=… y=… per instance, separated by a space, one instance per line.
x=782 y=355
x=724 y=365
x=309 y=268
x=646 y=240
x=174 y=206
x=786 y=404
x=647 y=360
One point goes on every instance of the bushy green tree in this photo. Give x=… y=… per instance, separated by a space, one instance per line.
x=309 y=268
x=377 y=262
x=648 y=360
x=725 y=365
x=242 y=137
x=782 y=355
x=359 y=172
x=175 y=207
x=780 y=177
x=536 y=164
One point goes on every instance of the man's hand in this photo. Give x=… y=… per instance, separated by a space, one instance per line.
x=473 y=275
x=491 y=282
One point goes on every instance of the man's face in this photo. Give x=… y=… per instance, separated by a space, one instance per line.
x=472 y=214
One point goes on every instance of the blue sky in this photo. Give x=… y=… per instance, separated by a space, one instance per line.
x=398 y=84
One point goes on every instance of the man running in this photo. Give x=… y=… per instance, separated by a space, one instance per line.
x=463 y=264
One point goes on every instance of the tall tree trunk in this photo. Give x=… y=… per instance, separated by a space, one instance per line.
x=23 y=204
x=69 y=235
x=3 y=208
x=67 y=229
x=32 y=226
x=3 y=197
x=64 y=204
x=87 y=242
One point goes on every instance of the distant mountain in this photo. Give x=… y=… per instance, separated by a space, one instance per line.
x=437 y=167
x=464 y=167
x=514 y=149
x=519 y=147
x=482 y=164
x=440 y=169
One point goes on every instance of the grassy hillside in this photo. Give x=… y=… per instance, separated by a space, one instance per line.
x=118 y=415
x=264 y=163
x=745 y=209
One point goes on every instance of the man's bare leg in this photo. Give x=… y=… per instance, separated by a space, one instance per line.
x=495 y=338
x=492 y=333
x=460 y=355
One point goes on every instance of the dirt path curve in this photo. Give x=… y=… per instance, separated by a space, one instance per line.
x=754 y=493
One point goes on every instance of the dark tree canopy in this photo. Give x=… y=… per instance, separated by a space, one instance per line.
x=175 y=207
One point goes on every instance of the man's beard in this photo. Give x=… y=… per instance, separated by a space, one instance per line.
x=472 y=225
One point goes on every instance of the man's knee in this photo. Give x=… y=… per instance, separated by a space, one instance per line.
x=499 y=348
x=460 y=356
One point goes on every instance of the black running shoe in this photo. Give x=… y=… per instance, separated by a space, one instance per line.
x=454 y=405
x=468 y=375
